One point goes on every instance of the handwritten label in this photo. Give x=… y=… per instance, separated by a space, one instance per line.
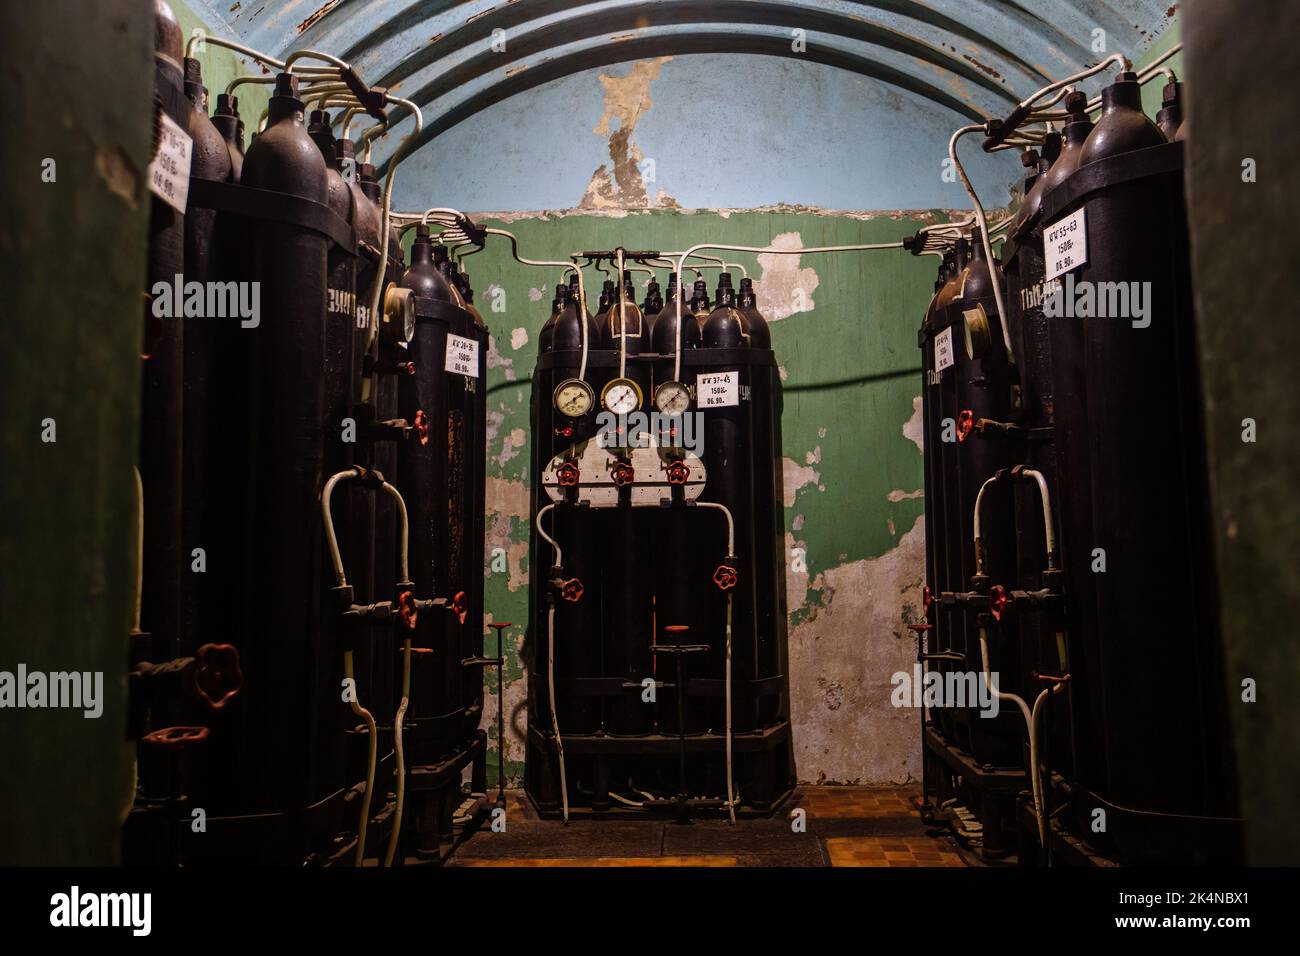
x=169 y=172
x=943 y=350
x=718 y=389
x=462 y=356
x=1065 y=244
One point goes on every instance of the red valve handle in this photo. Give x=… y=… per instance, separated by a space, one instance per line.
x=407 y=610
x=564 y=431
x=964 y=423
x=176 y=736
x=408 y=367
x=567 y=475
x=218 y=677
x=422 y=426
x=927 y=599
x=622 y=473
x=499 y=625
x=919 y=628
x=571 y=590
x=678 y=473
x=726 y=577
x=460 y=606
x=998 y=602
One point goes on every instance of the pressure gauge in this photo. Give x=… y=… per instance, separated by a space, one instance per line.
x=672 y=398
x=621 y=396
x=574 y=398
x=399 y=313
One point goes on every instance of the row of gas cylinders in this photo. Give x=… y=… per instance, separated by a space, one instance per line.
x=730 y=320
x=242 y=427
x=1080 y=441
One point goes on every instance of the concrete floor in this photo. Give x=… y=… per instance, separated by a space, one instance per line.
x=845 y=826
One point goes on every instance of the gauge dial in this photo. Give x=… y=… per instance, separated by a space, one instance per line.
x=621 y=396
x=574 y=398
x=672 y=398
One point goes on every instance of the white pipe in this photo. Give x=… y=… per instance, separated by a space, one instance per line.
x=984 y=233
x=377 y=295
x=582 y=294
x=731 y=556
x=404 y=533
x=331 y=539
x=373 y=733
x=731 y=789
x=555 y=720
x=550 y=671
x=622 y=320
x=677 y=358
x=401 y=757
x=1029 y=727
x=1049 y=532
x=314 y=55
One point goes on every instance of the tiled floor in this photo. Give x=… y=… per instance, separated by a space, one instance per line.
x=845 y=826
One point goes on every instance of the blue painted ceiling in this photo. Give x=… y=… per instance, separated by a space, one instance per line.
x=961 y=60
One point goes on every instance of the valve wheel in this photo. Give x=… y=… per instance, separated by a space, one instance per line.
x=571 y=590
x=177 y=736
x=218 y=677
x=726 y=577
x=407 y=610
x=568 y=475
x=622 y=473
x=422 y=426
x=678 y=473
x=460 y=606
x=564 y=431
x=965 y=421
x=998 y=601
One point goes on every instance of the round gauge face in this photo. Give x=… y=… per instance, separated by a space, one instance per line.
x=573 y=397
x=672 y=398
x=621 y=396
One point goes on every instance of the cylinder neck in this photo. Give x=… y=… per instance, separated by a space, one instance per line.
x=1124 y=93
x=285 y=104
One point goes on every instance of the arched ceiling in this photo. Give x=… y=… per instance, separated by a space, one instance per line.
x=968 y=58
x=973 y=56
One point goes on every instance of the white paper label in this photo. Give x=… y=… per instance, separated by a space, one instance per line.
x=718 y=389
x=943 y=350
x=1065 y=244
x=169 y=172
x=462 y=356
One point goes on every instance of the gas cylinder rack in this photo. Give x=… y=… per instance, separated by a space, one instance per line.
x=314 y=694
x=659 y=680
x=1059 y=563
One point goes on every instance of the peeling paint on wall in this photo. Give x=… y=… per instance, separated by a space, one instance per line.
x=623 y=182
x=783 y=288
x=794 y=477
x=841 y=660
x=914 y=427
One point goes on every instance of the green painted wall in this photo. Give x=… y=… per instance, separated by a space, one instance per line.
x=851 y=369
x=72 y=262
